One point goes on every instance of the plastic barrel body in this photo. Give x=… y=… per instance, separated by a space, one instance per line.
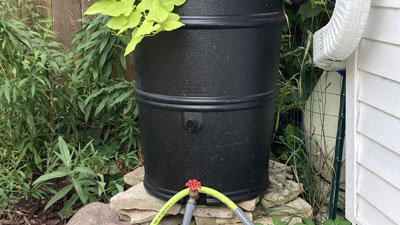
x=206 y=96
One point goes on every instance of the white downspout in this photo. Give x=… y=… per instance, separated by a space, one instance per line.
x=335 y=42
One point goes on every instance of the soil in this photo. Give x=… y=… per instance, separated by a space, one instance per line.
x=31 y=213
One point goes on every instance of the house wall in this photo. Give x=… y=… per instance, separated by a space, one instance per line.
x=373 y=120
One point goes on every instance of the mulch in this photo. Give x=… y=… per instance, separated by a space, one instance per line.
x=31 y=213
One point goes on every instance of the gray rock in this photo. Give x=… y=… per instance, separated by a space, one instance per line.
x=170 y=220
x=135 y=216
x=278 y=173
x=205 y=220
x=234 y=220
x=291 y=190
x=220 y=221
x=296 y=208
x=96 y=214
x=211 y=211
x=135 y=177
x=249 y=205
x=278 y=165
x=137 y=198
x=139 y=207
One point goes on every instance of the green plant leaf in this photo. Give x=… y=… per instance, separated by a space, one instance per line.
x=99 y=7
x=133 y=43
x=7 y=92
x=308 y=221
x=118 y=22
x=58 y=196
x=120 y=188
x=123 y=7
x=82 y=196
x=329 y=222
x=341 y=221
x=122 y=98
x=174 y=16
x=36 y=157
x=309 y=10
x=88 y=111
x=147 y=27
x=101 y=106
x=67 y=211
x=84 y=170
x=170 y=4
x=50 y=176
x=172 y=25
x=33 y=90
x=133 y=20
x=276 y=220
x=157 y=12
x=65 y=154
x=3 y=194
x=122 y=60
x=143 y=5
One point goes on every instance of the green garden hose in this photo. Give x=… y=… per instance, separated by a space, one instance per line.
x=204 y=190
x=172 y=201
x=218 y=195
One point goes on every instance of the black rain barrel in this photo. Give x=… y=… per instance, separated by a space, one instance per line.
x=206 y=96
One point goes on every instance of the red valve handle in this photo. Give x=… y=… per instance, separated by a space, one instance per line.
x=193 y=185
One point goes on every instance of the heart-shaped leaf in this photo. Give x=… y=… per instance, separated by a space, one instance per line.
x=118 y=22
x=158 y=12
x=99 y=7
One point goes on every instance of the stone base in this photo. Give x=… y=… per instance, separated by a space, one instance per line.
x=136 y=206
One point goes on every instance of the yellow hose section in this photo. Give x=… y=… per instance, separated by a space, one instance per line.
x=218 y=195
x=168 y=206
x=205 y=190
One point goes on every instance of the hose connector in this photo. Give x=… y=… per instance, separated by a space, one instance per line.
x=193 y=186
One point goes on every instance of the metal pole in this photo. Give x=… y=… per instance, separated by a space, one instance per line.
x=340 y=138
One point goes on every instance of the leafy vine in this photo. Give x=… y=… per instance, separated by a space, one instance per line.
x=146 y=17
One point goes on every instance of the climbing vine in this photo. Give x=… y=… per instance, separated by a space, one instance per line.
x=144 y=18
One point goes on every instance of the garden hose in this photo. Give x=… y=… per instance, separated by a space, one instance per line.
x=172 y=201
x=194 y=185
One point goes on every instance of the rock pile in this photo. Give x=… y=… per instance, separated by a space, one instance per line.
x=136 y=206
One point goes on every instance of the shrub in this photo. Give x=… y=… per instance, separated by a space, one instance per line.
x=47 y=95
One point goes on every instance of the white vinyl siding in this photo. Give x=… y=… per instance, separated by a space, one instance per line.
x=373 y=120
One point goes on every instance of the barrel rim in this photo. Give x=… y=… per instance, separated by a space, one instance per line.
x=233 y=21
x=204 y=104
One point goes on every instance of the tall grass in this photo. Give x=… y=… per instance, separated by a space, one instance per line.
x=297 y=78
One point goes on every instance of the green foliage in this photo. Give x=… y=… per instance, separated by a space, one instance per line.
x=146 y=18
x=78 y=173
x=297 y=77
x=28 y=59
x=337 y=221
x=51 y=100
